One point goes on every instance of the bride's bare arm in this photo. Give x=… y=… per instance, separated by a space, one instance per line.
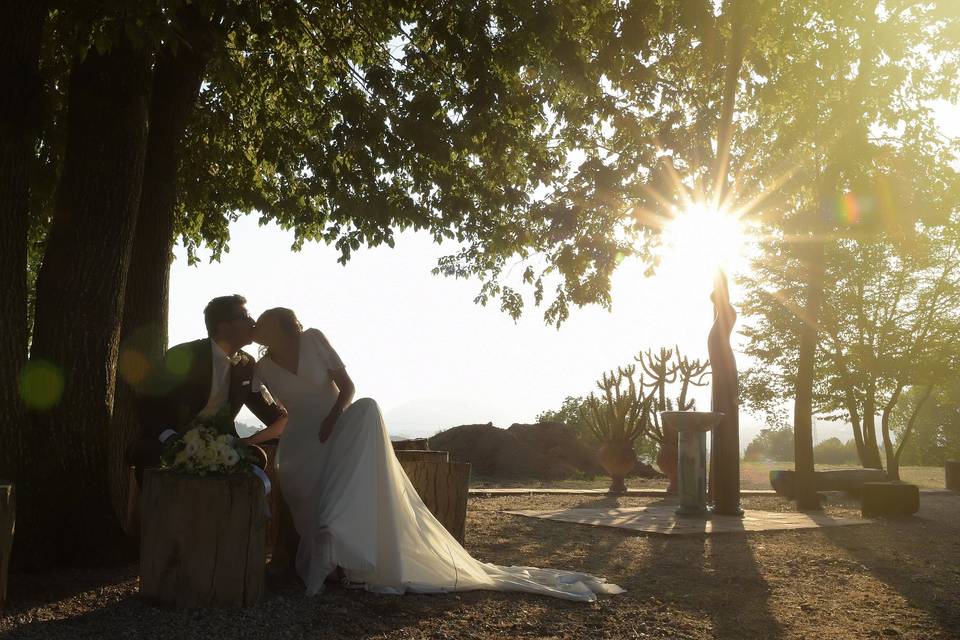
x=269 y=433
x=347 y=389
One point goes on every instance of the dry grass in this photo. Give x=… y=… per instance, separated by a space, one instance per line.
x=897 y=578
x=753 y=475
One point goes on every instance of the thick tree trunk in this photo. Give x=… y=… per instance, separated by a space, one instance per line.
x=19 y=108
x=814 y=255
x=66 y=510
x=871 y=448
x=178 y=74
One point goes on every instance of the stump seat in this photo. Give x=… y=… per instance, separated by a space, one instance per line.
x=442 y=485
x=951 y=475
x=203 y=540
x=884 y=499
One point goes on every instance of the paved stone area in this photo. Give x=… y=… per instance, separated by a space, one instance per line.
x=661 y=519
x=643 y=493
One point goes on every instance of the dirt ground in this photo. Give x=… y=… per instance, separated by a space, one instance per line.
x=891 y=579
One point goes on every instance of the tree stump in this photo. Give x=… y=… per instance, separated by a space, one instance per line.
x=889 y=499
x=418 y=444
x=423 y=456
x=8 y=518
x=203 y=540
x=951 y=475
x=443 y=487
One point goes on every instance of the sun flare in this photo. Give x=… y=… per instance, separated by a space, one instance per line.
x=699 y=239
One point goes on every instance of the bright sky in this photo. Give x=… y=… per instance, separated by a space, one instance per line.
x=433 y=359
x=419 y=345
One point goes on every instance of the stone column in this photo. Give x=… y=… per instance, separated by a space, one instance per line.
x=692 y=427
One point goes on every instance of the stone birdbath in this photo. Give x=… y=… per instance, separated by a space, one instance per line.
x=692 y=427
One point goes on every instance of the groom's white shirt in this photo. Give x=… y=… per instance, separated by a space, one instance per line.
x=219 y=386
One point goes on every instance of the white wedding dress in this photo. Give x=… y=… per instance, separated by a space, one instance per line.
x=354 y=506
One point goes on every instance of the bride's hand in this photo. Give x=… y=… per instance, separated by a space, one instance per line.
x=327 y=427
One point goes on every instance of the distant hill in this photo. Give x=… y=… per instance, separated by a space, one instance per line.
x=546 y=451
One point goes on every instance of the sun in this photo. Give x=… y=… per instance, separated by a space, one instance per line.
x=699 y=239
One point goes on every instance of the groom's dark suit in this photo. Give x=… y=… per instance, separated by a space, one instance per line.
x=178 y=388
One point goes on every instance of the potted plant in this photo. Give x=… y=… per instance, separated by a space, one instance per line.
x=617 y=418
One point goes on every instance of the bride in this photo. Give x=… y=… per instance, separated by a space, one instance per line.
x=352 y=504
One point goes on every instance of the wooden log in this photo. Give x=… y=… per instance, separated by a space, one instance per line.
x=8 y=519
x=274 y=500
x=889 y=499
x=415 y=444
x=849 y=480
x=443 y=487
x=425 y=456
x=131 y=520
x=951 y=475
x=203 y=540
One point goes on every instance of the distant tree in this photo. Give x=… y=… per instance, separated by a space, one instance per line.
x=935 y=436
x=774 y=445
x=891 y=322
x=835 y=451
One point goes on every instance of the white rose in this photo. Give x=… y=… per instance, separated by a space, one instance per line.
x=231 y=458
x=192 y=448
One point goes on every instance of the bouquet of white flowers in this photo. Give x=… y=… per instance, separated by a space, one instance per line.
x=206 y=450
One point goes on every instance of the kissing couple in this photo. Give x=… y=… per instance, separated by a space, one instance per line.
x=357 y=514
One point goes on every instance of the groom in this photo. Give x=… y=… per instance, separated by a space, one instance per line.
x=199 y=379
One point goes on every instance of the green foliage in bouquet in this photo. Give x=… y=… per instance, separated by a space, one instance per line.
x=208 y=447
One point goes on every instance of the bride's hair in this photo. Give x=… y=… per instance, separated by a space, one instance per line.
x=286 y=320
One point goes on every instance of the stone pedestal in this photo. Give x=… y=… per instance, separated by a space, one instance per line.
x=692 y=427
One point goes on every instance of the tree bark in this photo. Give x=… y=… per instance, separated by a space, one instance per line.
x=893 y=464
x=871 y=448
x=814 y=255
x=178 y=74
x=67 y=513
x=19 y=124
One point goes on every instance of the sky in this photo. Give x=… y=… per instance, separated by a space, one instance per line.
x=433 y=359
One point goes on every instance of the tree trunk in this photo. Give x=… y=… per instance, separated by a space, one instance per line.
x=176 y=83
x=871 y=448
x=814 y=255
x=67 y=513
x=893 y=464
x=19 y=108
x=8 y=521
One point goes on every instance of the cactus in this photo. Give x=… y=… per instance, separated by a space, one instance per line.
x=664 y=369
x=619 y=414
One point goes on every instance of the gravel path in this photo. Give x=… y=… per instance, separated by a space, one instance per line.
x=893 y=579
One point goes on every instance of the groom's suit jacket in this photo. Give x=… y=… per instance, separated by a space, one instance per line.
x=177 y=389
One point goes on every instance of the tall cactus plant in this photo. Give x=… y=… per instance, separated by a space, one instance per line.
x=622 y=413
x=663 y=369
